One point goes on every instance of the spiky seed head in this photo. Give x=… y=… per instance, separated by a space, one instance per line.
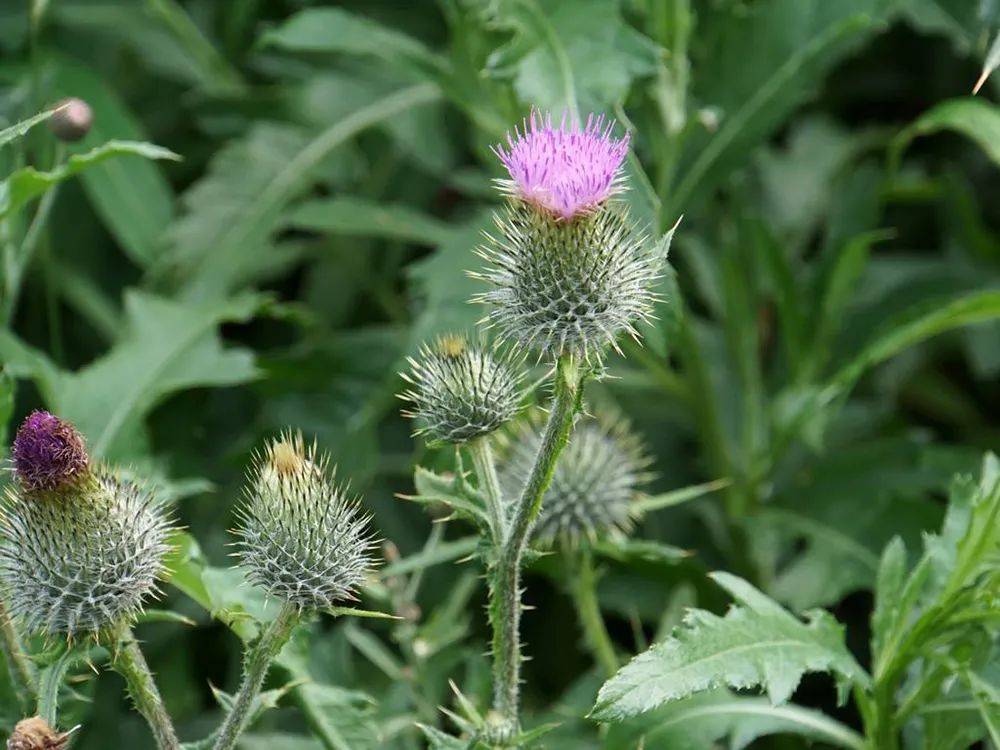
x=460 y=391
x=300 y=537
x=72 y=120
x=568 y=287
x=566 y=170
x=83 y=560
x=49 y=454
x=598 y=475
x=36 y=734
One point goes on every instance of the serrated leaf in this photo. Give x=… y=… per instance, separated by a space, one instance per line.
x=701 y=722
x=756 y=644
x=447 y=490
x=888 y=589
x=28 y=183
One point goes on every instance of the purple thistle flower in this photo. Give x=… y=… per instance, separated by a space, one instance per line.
x=566 y=170
x=49 y=454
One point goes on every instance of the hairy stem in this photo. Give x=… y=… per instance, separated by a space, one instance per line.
x=489 y=483
x=258 y=660
x=50 y=680
x=583 y=587
x=22 y=673
x=128 y=661
x=505 y=593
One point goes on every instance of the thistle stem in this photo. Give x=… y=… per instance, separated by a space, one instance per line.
x=22 y=674
x=583 y=587
x=505 y=593
x=258 y=660
x=128 y=661
x=486 y=473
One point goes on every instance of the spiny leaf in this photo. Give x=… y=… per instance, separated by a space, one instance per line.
x=757 y=643
x=28 y=183
x=20 y=129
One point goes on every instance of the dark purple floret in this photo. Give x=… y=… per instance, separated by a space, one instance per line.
x=49 y=454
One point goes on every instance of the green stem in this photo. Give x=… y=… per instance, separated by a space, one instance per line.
x=128 y=661
x=22 y=674
x=583 y=587
x=258 y=660
x=50 y=680
x=489 y=483
x=505 y=592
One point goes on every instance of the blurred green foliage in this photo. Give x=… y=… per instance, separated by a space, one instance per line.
x=829 y=340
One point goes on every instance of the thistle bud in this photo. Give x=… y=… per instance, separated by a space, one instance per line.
x=36 y=734
x=72 y=121
x=461 y=391
x=569 y=271
x=597 y=477
x=300 y=537
x=49 y=454
x=80 y=549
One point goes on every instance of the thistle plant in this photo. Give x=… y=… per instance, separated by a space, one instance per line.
x=80 y=553
x=568 y=272
x=304 y=541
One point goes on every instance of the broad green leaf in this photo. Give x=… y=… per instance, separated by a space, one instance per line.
x=28 y=183
x=976 y=119
x=20 y=129
x=338 y=30
x=132 y=196
x=701 y=722
x=756 y=644
x=223 y=239
x=575 y=56
x=165 y=347
x=362 y=217
x=761 y=62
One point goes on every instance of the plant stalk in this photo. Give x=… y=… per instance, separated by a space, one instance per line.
x=22 y=673
x=583 y=587
x=128 y=661
x=505 y=592
x=489 y=483
x=50 y=680
x=258 y=660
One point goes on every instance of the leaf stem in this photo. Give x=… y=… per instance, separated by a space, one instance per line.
x=128 y=661
x=489 y=483
x=22 y=674
x=258 y=660
x=50 y=680
x=505 y=591
x=583 y=587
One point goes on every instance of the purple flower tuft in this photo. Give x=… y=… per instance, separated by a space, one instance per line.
x=48 y=453
x=566 y=170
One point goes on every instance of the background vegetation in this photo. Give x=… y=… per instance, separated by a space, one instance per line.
x=838 y=187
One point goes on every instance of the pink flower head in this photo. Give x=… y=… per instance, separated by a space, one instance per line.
x=48 y=453
x=566 y=170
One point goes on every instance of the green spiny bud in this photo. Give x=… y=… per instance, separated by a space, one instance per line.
x=81 y=560
x=568 y=286
x=597 y=477
x=301 y=538
x=461 y=391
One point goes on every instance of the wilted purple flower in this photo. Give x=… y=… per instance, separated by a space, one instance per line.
x=49 y=454
x=566 y=170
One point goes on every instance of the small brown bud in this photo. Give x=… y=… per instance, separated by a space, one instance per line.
x=36 y=734
x=73 y=120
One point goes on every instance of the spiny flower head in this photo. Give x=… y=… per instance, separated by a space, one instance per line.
x=301 y=538
x=49 y=454
x=568 y=287
x=598 y=475
x=81 y=560
x=565 y=170
x=460 y=390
